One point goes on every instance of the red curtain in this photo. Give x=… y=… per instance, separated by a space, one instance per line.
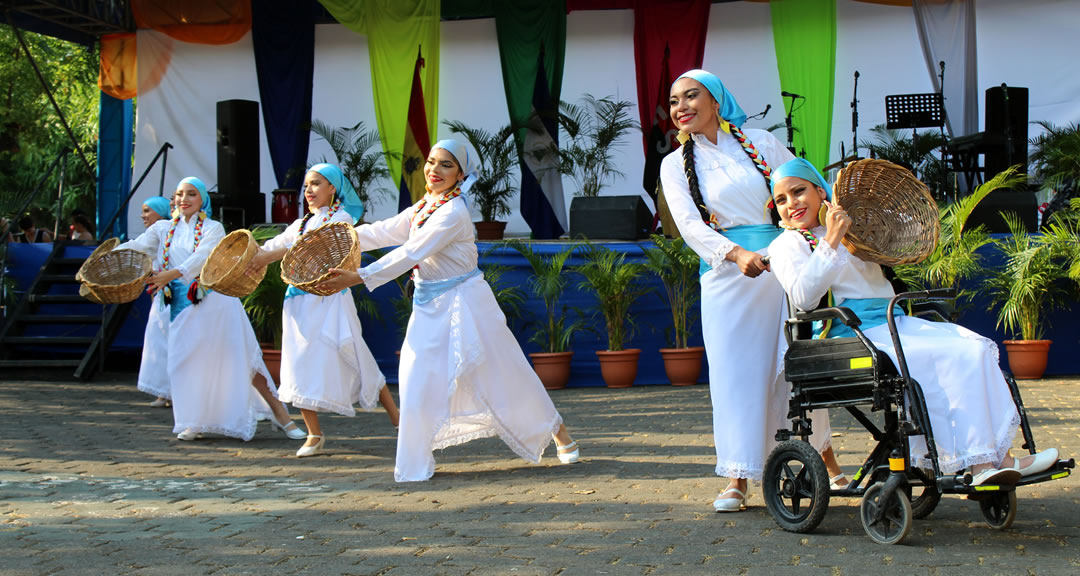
x=197 y=21
x=669 y=39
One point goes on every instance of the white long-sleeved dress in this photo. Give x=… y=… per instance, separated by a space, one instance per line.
x=741 y=317
x=154 y=363
x=212 y=351
x=325 y=364
x=972 y=413
x=462 y=374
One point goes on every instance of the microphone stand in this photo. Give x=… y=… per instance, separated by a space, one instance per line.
x=790 y=128
x=855 y=117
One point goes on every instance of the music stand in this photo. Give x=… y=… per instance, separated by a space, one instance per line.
x=914 y=111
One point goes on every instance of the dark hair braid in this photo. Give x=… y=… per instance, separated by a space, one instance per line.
x=691 y=179
x=751 y=152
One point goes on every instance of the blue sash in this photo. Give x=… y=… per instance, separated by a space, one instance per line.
x=752 y=237
x=872 y=312
x=293 y=291
x=179 y=300
x=426 y=291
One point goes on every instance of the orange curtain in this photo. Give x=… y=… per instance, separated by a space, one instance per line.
x=117 y=76
x=197 y=21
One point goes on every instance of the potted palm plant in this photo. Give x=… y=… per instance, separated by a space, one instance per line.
x=359 y=154
x=1027 y=288
x=493 y=188
x=552 y=332
x=264 y=306
x=615 y=282
x=1055 y=164
x=677 y=267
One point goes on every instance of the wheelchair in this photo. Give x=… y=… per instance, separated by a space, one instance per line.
x=851 y=373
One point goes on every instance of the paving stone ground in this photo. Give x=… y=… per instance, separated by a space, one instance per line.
x=92 y=481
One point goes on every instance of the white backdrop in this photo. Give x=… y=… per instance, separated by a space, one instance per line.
x=878 y=41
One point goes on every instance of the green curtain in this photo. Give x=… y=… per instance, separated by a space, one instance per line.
x=395 y=28
x=804 y=33
x=522 y=28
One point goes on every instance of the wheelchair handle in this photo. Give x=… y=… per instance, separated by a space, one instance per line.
x=934 y=294
x=844 y=314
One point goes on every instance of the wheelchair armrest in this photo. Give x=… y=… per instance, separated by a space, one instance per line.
x=931 y=308
x=844 y=314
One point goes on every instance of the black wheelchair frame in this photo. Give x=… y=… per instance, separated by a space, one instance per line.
x=849 y=373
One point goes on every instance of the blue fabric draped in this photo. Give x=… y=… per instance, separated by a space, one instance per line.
x=283 y=37
x=116 y=121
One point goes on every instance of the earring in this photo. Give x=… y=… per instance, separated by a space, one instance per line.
x=822 y=211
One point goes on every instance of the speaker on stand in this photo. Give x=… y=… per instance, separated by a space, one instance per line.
x=238 y=203
x=1006 y=121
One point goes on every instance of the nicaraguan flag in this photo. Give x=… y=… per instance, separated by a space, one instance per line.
x=417 y=144
x=542 y=203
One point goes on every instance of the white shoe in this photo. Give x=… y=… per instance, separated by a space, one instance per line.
x=305 y=451
x=722 y=504
x=291 y=430
x=1041 y=463
x=187 y=435
x=996 y=476
x=568 y=454
x=834 y=482
x=160 y=403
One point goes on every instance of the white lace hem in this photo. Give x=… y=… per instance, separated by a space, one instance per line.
x=967 y=460
x=155 y=391
x=315 y=404
x=739 y=470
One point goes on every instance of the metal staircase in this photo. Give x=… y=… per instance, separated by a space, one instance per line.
x=53 y=327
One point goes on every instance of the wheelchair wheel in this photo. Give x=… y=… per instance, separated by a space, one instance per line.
x=999 y=510
x=896 y=522
x=796 y=486
x=924 y=499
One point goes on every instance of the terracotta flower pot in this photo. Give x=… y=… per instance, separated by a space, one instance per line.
x=272 y=359
x=1027 y=358
x=683 y=365
x=553 y=368
x=490 y=230
x=619 y=368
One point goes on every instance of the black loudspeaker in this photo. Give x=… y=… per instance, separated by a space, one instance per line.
x=1021 y=202
x=1007 y=117
x=610 y=218
x=235 y=212
x=238 y=149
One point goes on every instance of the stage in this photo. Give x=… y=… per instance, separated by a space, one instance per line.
x=651 y=314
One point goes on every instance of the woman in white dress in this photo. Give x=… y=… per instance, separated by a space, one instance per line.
x=972 y=414
x=462 y=375
x=153 y=366
x=717 y=189
x=213 y=354
x=325 y=364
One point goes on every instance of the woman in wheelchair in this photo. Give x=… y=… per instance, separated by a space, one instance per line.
x=972 y=413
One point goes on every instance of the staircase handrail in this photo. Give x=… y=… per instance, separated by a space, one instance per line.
x=163 y=151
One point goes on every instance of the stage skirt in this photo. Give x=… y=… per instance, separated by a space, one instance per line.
x=972 y=414
x=463 y=376
x=213 y=356
x=154 y=365
x=325 y=364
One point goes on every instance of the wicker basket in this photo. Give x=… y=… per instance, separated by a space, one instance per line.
x=224 y=270
x=84 y=290
x=116 y=276
x=894 y=218
x=307 y=263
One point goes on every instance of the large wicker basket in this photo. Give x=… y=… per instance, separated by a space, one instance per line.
x=225 y=268
x=894 y=218
x=84 y=290
x=117 y=276
x=308 y=262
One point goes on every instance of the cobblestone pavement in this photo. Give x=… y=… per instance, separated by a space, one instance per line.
x=92 y=481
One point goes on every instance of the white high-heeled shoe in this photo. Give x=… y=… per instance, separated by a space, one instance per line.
x=312 y=450
x=187 y=435
x=568 y=454
x=291 y=430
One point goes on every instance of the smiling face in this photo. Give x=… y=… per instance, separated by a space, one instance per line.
x=188 y=200
x=318 y=191
x=798 y=202
x=693 y=108
x=441 y=171
x=149 y=216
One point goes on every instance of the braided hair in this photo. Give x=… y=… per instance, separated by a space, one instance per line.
x=691 y=173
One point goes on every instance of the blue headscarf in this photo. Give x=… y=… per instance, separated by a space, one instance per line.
x=466 y=160
x=158 y=204
x=729 y=108
x=198 y=184
x=800 y=168
x=343 y=189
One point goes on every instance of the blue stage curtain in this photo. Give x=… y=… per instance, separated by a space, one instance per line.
x=115 y=140
x=283 y=37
